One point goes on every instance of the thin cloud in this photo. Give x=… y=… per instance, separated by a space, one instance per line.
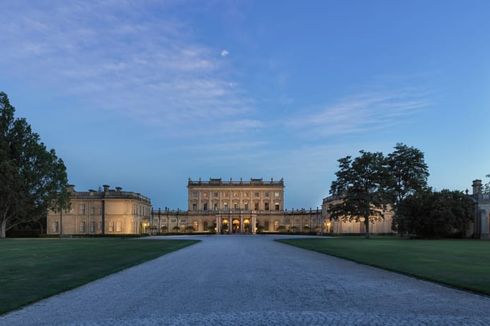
x=117 y=55
x=362 y=113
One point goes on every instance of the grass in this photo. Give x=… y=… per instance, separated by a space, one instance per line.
x=32 y=269
x=463 y=264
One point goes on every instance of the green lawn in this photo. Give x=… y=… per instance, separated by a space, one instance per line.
x=460 y=263
x=32 y=269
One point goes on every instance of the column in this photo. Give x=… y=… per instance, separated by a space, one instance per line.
x=241 y=224
x=253 y=223
x=230 y=224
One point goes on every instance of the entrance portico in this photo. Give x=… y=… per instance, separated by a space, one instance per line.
x=236 y=222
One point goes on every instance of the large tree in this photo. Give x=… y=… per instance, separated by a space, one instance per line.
x=360 y=186
x=32 y=178
x=408 y=175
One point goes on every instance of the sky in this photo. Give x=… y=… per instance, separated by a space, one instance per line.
x=146 y=94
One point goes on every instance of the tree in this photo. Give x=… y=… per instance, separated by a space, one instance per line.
x=32 y=178
x=408 y=170
x=435 y=214
x=408 y=175
x=360 y=185
x=486 y=187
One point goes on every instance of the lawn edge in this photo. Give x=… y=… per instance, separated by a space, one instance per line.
x=418 y=277
x=117 y=270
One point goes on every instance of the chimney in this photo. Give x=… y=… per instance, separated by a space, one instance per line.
x=477 y=187
x=106 y=188
x=118 y=189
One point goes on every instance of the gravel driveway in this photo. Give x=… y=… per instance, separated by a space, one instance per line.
x=253 y=280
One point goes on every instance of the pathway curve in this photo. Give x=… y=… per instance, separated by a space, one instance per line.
x=253 y=280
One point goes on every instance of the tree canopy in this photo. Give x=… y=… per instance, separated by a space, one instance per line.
x=361 y=186
x=367 y=184
x=32 y=178
x=435 y=214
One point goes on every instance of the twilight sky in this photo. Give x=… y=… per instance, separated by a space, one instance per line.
x=144 y=94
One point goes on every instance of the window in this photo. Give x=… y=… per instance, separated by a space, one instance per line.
x=216 y=194
x=173 y=220
x=205 y=195
x=246 y=206
x=100 y=226
x=205 y=206
x=194 y=194
x=267 y=194
x=225 y=205
x=82 y=209
x=256 y=206
x=92 y=227
x=82 y=227
x=235 y=206
x=118 y=226
x=92 y=210
x=277 y=206
x=235 y=194
x=276 y=194
x=245 y=194
x=266 y=206
x=111 y=226
x=257 y=194
x=215 y=206
x=56 y=227
x=194 y=207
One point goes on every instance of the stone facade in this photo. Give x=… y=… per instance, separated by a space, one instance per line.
x=107 y=211
x=482 y=211
x=243 y=206
x=378 y=226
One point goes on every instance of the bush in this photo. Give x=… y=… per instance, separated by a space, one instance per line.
x=435 y=214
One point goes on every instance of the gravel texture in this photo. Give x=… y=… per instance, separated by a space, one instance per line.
x=253 y=280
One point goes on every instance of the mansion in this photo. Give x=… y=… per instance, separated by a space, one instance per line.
x=213 y=206
x=250 y=206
